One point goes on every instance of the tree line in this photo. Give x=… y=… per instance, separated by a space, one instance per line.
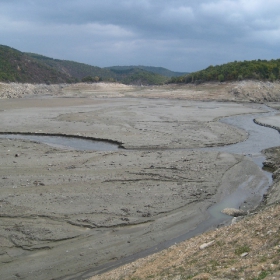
x=235 y=71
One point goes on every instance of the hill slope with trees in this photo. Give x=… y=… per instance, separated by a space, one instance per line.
x=255 y=70
x=16 y=66
x=157 y=70
x=72 y=68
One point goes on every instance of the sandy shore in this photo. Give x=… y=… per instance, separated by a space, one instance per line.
x=65 y=212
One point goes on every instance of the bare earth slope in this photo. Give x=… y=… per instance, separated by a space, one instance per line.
x=245 y=91
x=248 y=249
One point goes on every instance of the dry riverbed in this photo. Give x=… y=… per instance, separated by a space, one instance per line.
x=64 y=212
x=247 y=249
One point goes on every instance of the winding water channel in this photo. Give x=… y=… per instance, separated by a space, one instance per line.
x=259 y=138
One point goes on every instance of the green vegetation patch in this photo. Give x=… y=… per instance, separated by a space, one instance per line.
x=235 y=71
x=242 y=249
x=16 y=66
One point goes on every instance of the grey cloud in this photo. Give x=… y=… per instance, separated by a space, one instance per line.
x=182 y=35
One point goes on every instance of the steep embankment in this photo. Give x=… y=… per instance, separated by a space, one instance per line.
x=244 y=91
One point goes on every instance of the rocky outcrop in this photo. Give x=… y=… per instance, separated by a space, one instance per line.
x=255 y=91
x=16 y=90
x=206 y=245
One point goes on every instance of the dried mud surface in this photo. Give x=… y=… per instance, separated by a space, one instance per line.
x=64 y=212
x=247 y=249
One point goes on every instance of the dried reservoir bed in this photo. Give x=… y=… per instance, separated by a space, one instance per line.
x=63 y=212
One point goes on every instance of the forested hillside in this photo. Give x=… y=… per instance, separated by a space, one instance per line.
x=72 y=68
x=233 y=71
x=138 y=76
x=16 y=66
x=157 y=70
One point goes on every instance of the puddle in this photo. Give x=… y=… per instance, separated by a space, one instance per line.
x=66 y=142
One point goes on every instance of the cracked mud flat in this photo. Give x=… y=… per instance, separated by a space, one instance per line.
x=64 y=212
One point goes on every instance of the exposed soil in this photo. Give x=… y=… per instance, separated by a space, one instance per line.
x=64 y=212
x=245 y=91
x=247 y=249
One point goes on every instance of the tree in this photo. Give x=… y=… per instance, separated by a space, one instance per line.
x=221 y=78
x=272 y=77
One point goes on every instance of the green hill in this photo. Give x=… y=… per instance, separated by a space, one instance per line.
x=72 y=68
x=157 y=70
x=138 y=76
x=16 y=66
x=234 y=71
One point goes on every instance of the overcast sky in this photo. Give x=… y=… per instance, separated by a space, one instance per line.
x=180 y=35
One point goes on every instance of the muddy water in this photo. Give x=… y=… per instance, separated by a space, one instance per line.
x=259 y=138
x=66 y=142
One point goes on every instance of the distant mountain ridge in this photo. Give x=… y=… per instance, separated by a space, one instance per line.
x=16 y=66
x=157 y=70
